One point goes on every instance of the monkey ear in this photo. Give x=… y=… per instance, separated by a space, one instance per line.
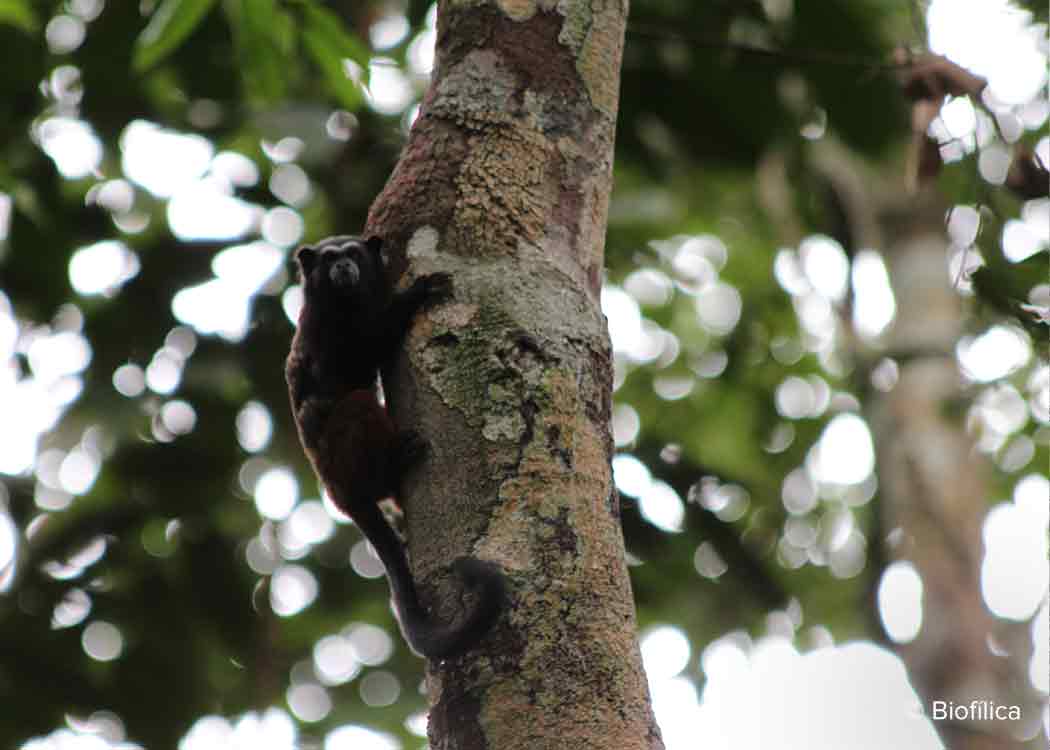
x=375 y=247
x=306 y=257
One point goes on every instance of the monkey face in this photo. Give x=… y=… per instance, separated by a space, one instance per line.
x=342 y=267
x=344 y=273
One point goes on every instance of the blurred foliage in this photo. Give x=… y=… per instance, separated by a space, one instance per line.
x=699 y=112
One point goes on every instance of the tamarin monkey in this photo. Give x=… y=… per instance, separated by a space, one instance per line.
x=352 y=322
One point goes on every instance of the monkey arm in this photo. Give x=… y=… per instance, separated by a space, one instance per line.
x=404 y=304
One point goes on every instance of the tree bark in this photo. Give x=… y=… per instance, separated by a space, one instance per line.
x=504 y=183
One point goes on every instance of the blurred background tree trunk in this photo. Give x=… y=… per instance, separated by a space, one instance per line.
x=934 y=487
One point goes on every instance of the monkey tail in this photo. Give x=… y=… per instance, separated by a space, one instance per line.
x=426 y=634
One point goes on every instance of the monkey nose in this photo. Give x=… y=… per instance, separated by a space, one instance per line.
x=344 y=274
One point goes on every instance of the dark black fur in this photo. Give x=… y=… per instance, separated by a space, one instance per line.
x=353 y=322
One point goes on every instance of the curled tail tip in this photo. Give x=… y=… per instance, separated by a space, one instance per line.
x=480 y=575
x=485 y=580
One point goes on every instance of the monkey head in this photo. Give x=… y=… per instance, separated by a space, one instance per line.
x=343 y=269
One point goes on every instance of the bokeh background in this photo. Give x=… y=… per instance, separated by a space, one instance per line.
x=170 y=575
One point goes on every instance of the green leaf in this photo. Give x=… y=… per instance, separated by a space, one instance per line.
x=18 y=13
x=326 y=24
x=330 y=45
x=264 y=38
x=169 y=26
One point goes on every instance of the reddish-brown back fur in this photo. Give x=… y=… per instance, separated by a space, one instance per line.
x=354 y=452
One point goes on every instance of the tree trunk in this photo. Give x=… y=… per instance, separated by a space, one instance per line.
x=933 y=484
x=933 y=489
x=504 y=183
